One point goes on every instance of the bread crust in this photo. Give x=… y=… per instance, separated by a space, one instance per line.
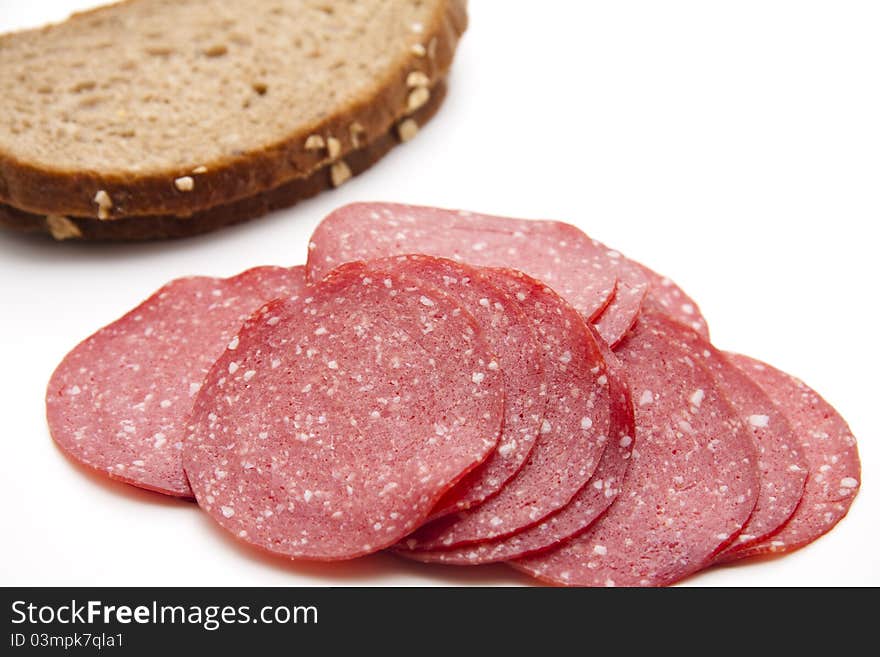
x=155 y=227
x=72 y=193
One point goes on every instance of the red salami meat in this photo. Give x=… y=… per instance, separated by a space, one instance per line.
x=781 y=464
x=830 y=451
x=669 y=299
x=691 y=486
x=621 y=313
x=572 y=436
x=516 y=348
x=341 y=418
x=580 y=269
x=119 y=400
x=589 y=504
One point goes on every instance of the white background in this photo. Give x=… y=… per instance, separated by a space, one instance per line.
x=734 y=146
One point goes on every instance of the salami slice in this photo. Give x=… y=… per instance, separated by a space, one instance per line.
x=588 y=505
x=580 y=269
x=118 y=402
x=691 y=486
x=830 y=451
x=573 y=431
x=623 y=310
x=516 y=348
x=781 y=464
x=669 y=299
x=339 y=419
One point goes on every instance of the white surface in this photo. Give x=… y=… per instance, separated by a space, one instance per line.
x=732 y=146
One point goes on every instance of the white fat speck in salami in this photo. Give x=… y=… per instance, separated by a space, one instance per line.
x=566 y=454
x=136 y=378
x=830 y=452
x=515 y=343
x=580 y=269
x=686 y=493
x=339 y=489
x=781 y=464
x=584 y=508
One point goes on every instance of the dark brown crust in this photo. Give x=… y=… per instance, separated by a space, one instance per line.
x=170 y=226
x=43 y=191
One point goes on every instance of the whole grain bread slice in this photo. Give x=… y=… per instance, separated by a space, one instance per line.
x=166 y=108
x=152 y=227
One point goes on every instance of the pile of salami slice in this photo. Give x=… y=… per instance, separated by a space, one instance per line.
x=460 y=389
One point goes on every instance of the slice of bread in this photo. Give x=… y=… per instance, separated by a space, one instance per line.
x=151 y=227
x=167 y=108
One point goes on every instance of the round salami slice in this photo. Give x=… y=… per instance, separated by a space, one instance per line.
x=577 y=267
x=830 y=451
x=118 y=402
x=572 y=436
x=691 y=486
x=516 y=348
x=588 y=505
x=339 y=419
x=781 y=464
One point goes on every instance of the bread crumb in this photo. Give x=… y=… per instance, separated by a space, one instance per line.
x=334 y=148
x=314 y=143
x=417 y=97
x=184 y=183
x=339 y=173
x=355 y=132
x=62 y=228
x=417 y=79
x=105 y=204
x=160 y=51
x=407 y=129
x=202 y=169
x=418 y=50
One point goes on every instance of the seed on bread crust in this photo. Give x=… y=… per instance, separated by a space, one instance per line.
x=417 y=79
x=407 y=129
x=334 y=148
x=418 y=50
x=202 y=169
x=417 y=97
x=105 y=204
x=184 y=183
x=355 y=132
x=62 y=228
x=314 y=143
x=339 y=173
